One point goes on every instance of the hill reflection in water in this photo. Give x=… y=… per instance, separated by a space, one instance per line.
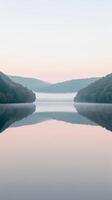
x=59 y=111
x=10 y=113
x=101 y=114
x=16 y=115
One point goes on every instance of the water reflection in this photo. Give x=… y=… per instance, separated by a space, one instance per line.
x=16 y=115
x=100 y=114
x=68 y=117
x=13 y=112
x=59 y=111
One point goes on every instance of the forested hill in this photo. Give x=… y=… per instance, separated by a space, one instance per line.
x=98 y=92
x=11 y=92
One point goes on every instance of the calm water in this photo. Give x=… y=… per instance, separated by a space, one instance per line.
x=55 y=150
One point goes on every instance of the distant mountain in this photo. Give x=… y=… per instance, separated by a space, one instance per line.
x=68 y=86
x=11 y=92
x=98 y=92
x=31 y=83
x=61 y=87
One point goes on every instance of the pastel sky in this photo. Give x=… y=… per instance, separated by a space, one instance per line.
x=56 y=40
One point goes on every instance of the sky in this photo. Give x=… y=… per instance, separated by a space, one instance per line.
x=56 y=40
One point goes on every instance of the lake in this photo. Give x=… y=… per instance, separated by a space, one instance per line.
x=56 y=150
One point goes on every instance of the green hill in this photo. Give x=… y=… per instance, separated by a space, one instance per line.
x=98 y=92
x=11 y=92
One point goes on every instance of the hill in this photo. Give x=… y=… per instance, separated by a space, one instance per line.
x=11 y=92
x=70 y=86
x=98 y=92
x=31 y=83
